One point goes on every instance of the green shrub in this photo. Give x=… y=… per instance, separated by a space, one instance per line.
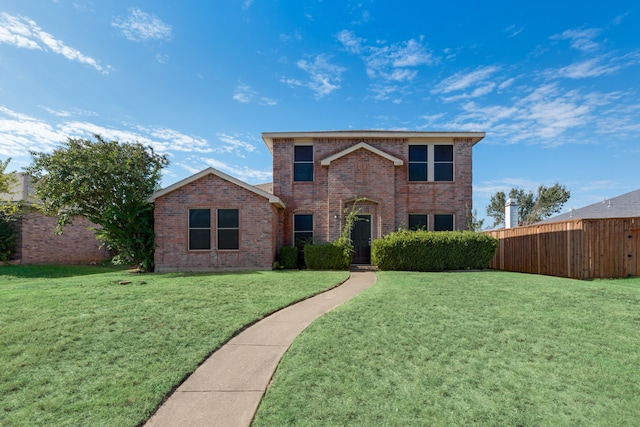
x=289 y=257
x=433 y=251
x=7 y=239
x=328 y=256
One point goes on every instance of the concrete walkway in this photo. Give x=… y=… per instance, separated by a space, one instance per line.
x=226 y=389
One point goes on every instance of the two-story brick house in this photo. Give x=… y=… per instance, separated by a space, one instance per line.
x=212 y=221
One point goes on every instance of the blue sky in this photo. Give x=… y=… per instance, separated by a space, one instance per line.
x=554 y=84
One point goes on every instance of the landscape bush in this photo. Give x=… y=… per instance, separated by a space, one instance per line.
x=433 y=251
x=328 y=256
x=7 y=238
x=289 y=257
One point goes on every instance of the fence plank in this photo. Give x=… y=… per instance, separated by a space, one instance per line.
x=580 y=249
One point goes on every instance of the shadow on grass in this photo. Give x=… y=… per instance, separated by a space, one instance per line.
x=56 y=271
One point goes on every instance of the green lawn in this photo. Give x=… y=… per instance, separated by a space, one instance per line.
x=487 y=348
x=78 y=348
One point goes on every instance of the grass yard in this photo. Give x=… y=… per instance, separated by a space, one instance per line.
x=79 y=349
x=487 y=348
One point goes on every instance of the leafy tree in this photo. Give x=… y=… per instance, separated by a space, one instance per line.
x=9 y=213
x=473 y=222
x=108 y=183
x=531 y=207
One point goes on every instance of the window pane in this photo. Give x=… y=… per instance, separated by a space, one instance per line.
x=417 y=171
x=417 y=153
x=227 y=218
x=443 y=153
x=417 y=221
x=302 y=237
x=443 y=172
x=228 y=239
x=199 y=218
x=302 y=223
x=199 y=239
x=303 y=172
x=443 y=222
x=303 y=153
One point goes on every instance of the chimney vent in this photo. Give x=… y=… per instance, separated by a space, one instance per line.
x=511 y=214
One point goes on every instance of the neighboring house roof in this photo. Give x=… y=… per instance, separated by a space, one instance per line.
x=211 y=171
x=396 y=161
x=21 y=191
x=267 y=186
x=623 y=206
x=268 y=137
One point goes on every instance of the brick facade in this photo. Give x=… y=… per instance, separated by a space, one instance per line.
x=37 y=242
x=258 y=221
x=363 y=173
x=346 y=165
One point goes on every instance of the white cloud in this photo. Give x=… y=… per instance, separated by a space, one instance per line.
x=462 y=80
x=505 y=84
x=246 y=4
x=24 y=33
x=140 y=26
x=513 y=31
x=20 y=133
x=588 y=68
x=245 y=94
x=580 y=39
x=243 y=173
x=233 y=144
x=324 y=77
x=388 y=62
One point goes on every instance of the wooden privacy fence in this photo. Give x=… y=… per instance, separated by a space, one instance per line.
x=578 y=249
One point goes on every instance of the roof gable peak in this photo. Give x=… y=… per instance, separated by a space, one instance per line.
x=362 y=145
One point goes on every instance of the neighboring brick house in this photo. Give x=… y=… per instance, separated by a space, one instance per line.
x=409 y=179
x=37 y=242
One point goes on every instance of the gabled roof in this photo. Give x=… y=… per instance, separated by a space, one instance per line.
x=396 y=161
x=211 y=171
x=624 y=206
x=268 y=137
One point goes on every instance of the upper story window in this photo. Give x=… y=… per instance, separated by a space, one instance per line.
x=431 y=162
x=443 y=162
x=228 y=229
x=303 y=163
x=418 y=162
x=199 y=229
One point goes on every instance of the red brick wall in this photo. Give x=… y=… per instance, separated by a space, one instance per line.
x=365 y=174
x=38 y=244
x=258 y=227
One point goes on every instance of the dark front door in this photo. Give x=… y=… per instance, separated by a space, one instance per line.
x=361 y=239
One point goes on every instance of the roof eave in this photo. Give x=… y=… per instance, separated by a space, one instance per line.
x=268 y=137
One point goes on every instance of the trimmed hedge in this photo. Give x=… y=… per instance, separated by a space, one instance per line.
x=433 y=251
x=328 y=256
x=289 y=257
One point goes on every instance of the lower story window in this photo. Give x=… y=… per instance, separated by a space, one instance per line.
x=302 y=229
x=418 y=222
x=443 y=222
x=228 y=229
x=199 y=229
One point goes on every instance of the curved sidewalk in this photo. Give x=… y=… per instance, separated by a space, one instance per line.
x=227 y=388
